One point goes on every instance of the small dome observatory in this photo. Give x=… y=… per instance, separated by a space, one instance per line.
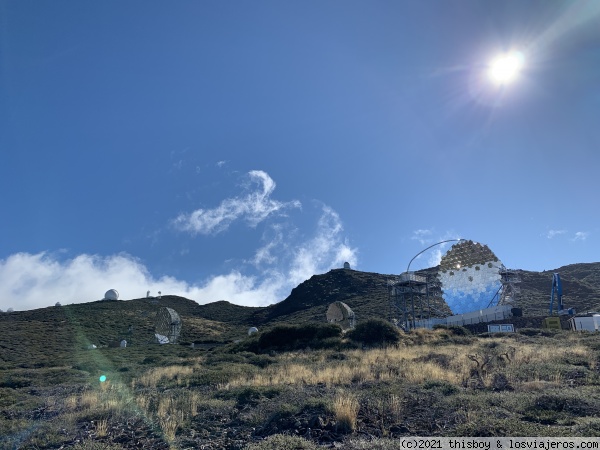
x=252 y=330
x=346 y=265
x=111 y=294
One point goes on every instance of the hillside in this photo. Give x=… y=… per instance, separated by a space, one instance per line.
x=581 y=289
x=26 y=334
x=57 y=393
x=55 y=335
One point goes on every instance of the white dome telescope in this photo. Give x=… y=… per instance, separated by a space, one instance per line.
x=111 y=294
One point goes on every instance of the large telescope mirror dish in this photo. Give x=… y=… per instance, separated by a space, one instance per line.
x=470 y=276
x=340 y=313
x=167 y=326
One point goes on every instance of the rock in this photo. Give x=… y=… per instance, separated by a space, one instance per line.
x=317 y=422
x=399 y=429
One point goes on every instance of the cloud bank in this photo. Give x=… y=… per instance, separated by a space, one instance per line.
x=38 y=280
x=254 y=207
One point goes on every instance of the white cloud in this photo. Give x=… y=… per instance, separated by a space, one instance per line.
x=552 y=233
x=38 y=280
x=423 y=236
x=325 y=250
x=434 y=255
x=435 y=258
x=221 y=163
x=266 y=254
x=254 y=207
x=581 y=236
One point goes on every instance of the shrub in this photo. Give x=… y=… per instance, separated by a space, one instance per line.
x=92 y=445
x=281 y=441
x=529 y=331
x=250 y=395
x=455 y=330
x=442 y=386
x=294 y=337
x=261 y=361
x=375 y=332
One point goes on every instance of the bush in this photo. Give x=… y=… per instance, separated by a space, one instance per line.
x=281 y=441
x=455 y=330
x=250 y=395
x=375 y=332
x=444 y=387
x=261 y=361
x=294 y=337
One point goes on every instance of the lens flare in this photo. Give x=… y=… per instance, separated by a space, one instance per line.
x=102 y=378
x=505 y=68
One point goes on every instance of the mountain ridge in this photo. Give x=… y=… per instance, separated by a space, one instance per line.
x=27 y=333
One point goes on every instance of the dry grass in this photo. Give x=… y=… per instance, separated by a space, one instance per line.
x=394 y=407
x=170 y=423
x=345 y=409
x=363 y=366
x=155 y=376
x=413 y=365
x=168 y=398
x=101 y=427
x=531 y=354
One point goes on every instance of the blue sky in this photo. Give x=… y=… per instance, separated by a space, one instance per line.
x=230 y=150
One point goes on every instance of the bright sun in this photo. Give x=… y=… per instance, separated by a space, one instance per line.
x=505 y=68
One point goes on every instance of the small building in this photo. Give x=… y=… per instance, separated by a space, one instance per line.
x=585 y=323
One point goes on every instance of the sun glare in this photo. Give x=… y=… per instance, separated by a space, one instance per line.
x=505 y=68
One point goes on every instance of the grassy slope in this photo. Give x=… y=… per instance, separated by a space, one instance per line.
x=28 y=335
x=178 y=397
x=55 y=335
x=46 y=372
x=581 y=289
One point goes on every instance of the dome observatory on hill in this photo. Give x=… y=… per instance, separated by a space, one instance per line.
x=111 y=294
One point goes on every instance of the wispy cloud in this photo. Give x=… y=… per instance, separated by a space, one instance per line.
x=267 y=253
x=581 y=236
x=221 y=163
x=426 y=237
x=553 y=233
x=423 y=236
x=253 y=207
x=325 y=250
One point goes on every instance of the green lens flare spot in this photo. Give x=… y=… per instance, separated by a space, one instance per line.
x=102 y=378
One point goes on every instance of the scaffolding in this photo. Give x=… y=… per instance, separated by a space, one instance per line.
x=509 y=290
x=413 y=298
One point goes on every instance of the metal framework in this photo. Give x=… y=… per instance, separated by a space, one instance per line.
x=167 y=324
x=413 y=297
x=510 y=289
x=412 y=294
